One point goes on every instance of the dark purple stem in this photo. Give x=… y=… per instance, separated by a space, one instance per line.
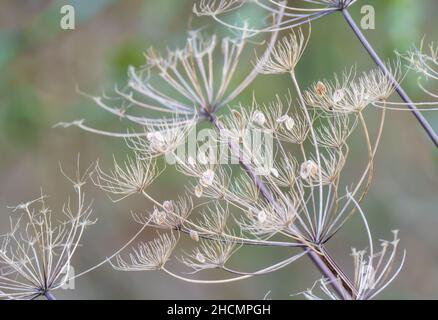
x=325 y=265
x=49 y=295
x=403 y=95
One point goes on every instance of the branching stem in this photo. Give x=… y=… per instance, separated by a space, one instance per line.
x=403 y=95
x=337 y=279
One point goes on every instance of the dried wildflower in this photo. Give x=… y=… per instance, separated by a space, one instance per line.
x=373 y=272
x=159 y=217
x=151 y=255
x=274 y=172
x=286 y=54
x=199 y=191
x=200 y=257
x=216 y=7
x=210 y=255
x=297 y=196
x=134 y=177
x=287 y=172
x=168 y=206
x=309 y=169
x=197 y=91
x=350 y=95
x=162 y=139
x=170 y=215
x=261 y=216
x=301 y=12
x=259 y=118
x=424 y=61
x=320 y=89
x=288 y=122
x=207 y=178
x=268 y=220
x=338 y=96
x=214 y=220
x=194 y=235
x=330 y=169
x=336 y=132
x=36 y=255
x=305 y=11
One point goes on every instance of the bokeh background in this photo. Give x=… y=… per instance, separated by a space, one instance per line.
x=41 y=64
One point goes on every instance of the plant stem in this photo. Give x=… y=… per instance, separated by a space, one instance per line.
x=403 y=95
x=49 y=295
x=325 y=264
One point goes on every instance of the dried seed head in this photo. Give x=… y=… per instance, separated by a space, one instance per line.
x=261 y=216
x=168 y=206
x=210 y=255
x=194 y=235
x=214 y=7
x=134 y=177
x=200 y=257
x=159 y=217
x=286 y=54
x=320 y=89
x=259 y=118
x=309 y=169
x=338 y=96
x=152 y=255
x=283 y=119
x=199 y=190
x=37 y=252
x=298 y=12
x=289 y=124
x=207 y=178
x=287 y=121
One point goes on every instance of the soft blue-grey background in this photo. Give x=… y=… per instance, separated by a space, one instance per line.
x=40 y=66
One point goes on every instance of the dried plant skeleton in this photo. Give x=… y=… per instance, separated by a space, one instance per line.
x=267 y=174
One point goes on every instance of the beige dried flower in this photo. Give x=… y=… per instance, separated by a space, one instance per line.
x=259 y=118
x=286 y=54
x=210 y=255
x=207 y=178
x=152 y=255
x=36 y=255
x=309 y=169
x=131 y=178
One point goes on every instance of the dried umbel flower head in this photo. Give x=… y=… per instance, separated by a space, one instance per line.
x=286 y=54
x=189 y=89
x=36 y=254
x=301 y=12
x=210 y=255
x=424 y=61
x=216 y=7
x=207 y=178
x=147 y=256
x=162 y=139
x=298 y=201
x=351 y=94
x=171 y=214
x=373 y=272
x=309 y=169
x=123 y=181
x=259 y=118
x=335 y=134
x=299 y=198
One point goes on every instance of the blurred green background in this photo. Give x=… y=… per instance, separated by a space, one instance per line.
x=41 y=64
